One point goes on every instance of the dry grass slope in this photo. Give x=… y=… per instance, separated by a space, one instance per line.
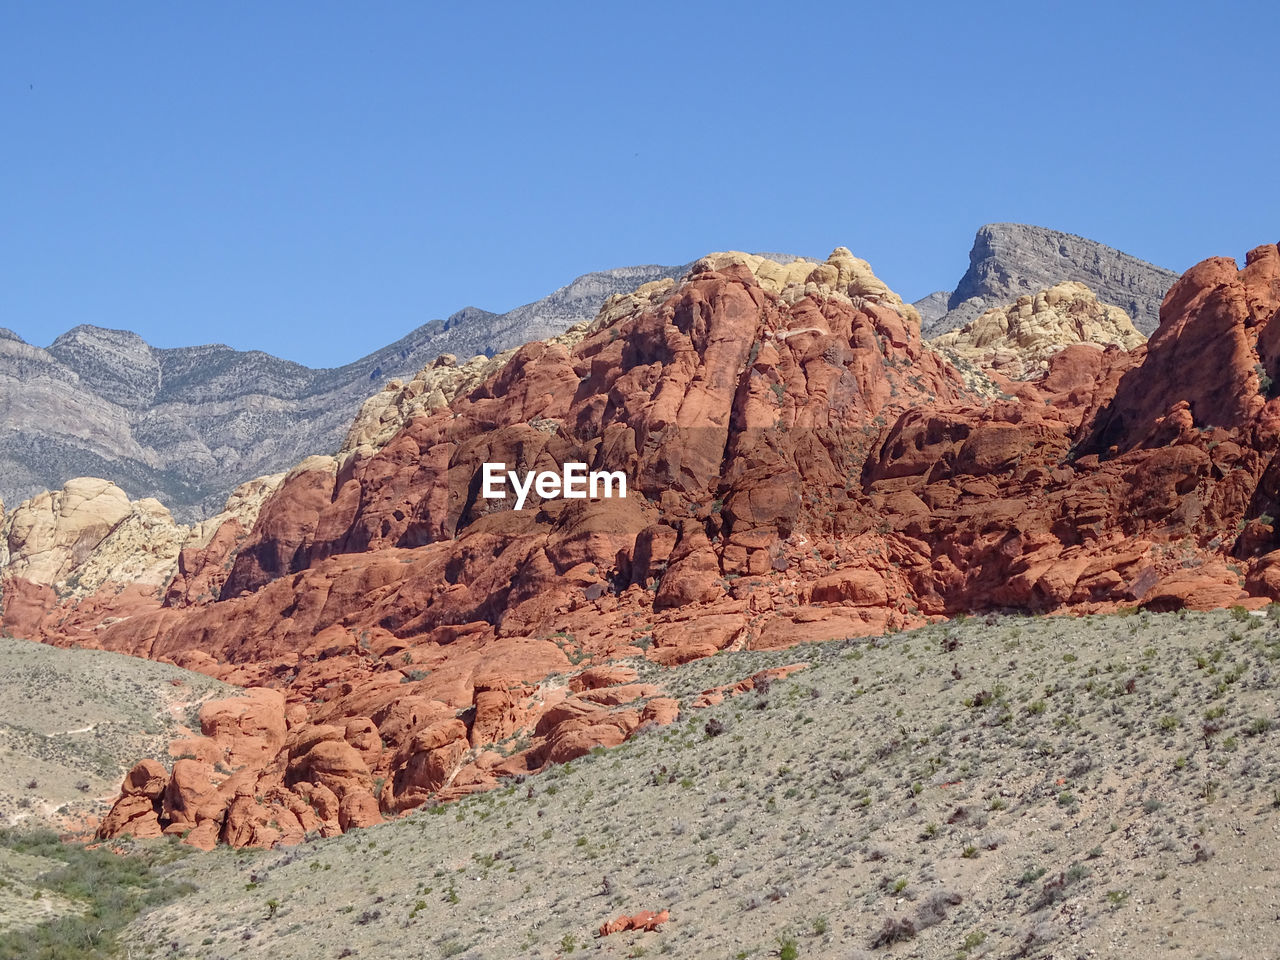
x=73 y=721
x=1002 y=787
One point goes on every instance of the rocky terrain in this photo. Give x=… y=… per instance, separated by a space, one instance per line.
x=1012 y=260
x=1006 y=786
x=1019 y=340
x=803 y=467
x=187 y=425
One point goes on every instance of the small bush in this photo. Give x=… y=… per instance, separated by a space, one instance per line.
x=934 y=909
x=894 y=931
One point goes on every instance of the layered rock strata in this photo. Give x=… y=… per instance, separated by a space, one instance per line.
x=1011 y=260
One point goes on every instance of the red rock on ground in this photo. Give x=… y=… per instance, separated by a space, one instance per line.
x=644 y=920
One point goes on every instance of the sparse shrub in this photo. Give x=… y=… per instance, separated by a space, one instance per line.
x=113 y=889
x=894 y=931
x=1056 y=889
x=1035 y=938
x=934 y=909
x=973 y=940
x=1031 y=875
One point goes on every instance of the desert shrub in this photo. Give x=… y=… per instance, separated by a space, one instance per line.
x=111 y=889
x=934 y=909
x=895 y=930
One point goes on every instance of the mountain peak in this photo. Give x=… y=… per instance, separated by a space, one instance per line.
x=1009 y=260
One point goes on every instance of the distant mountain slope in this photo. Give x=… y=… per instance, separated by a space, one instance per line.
x=1012 y=259
x=186 y=425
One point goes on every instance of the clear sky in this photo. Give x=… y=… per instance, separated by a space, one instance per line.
x=316 y=179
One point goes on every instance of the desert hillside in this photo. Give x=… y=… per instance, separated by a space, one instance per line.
x=1005 y=786
x=765 y=641
x=73 y=721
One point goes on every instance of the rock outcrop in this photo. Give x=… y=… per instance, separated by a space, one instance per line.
x=1010 y=260
x=1019 y=340
x=644 y=920
x=801 y=466
x=72 y=555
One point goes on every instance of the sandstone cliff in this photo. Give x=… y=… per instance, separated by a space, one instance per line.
x=187 y=425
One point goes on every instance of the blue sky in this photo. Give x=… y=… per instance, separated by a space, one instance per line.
x=317 y=179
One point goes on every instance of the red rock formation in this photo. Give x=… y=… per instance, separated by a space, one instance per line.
x=644 y=920
x=800 y=466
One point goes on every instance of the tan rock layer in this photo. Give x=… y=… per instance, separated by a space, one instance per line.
x=1018 y=340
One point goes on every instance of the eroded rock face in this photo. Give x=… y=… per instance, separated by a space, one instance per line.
x=1018 y=340
x=73 y=558
x=50 y=535
x=801 y=467
x=1011 y=260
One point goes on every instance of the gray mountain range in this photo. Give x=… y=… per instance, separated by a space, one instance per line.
x=1012 y=259
x=187 y=425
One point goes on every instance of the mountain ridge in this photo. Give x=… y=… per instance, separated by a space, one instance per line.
x=188 y=424
x=1009 y=260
